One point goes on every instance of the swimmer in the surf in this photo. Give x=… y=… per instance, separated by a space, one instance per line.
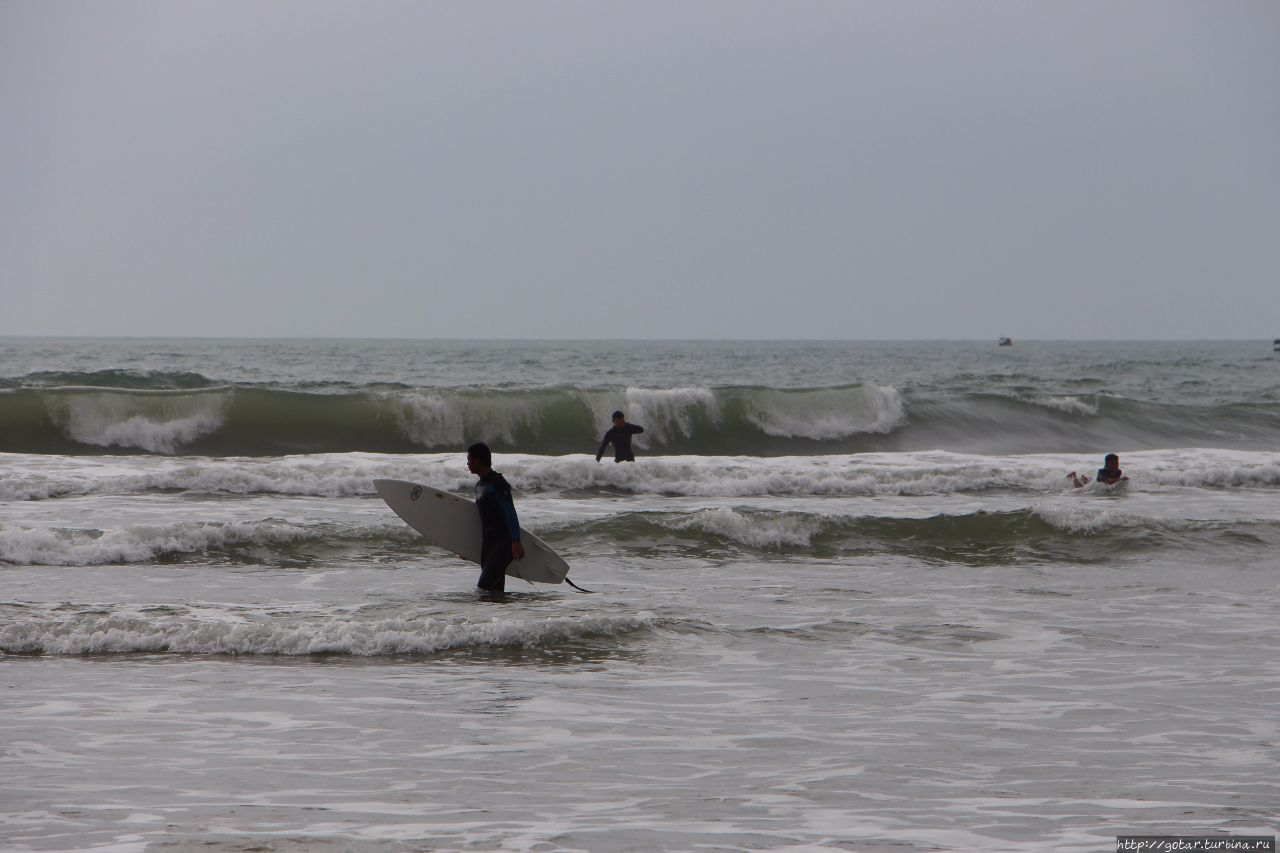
x=1109 y=474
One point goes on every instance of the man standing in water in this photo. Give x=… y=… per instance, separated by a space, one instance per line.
x=500 y=528
x=620 y=434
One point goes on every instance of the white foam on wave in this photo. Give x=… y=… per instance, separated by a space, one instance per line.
x=1089 y=519
x=37 y=477
x=139 y=633
x=434 y=418
x=426 y=418
x=1230 y=469
x=820 y=414
x=826 y=414
x=907 y=474
x=666 y=413
x=50 y=547
x=1070 y=405
x=737 y=476
x=158 y=422
x=758 y=530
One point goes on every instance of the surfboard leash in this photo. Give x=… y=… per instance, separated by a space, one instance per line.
x=578 y=588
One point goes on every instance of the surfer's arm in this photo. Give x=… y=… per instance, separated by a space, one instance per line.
x=635 y=429
x=513 y=524
x=1077 y=480
x=603 y=444
x=509 y=513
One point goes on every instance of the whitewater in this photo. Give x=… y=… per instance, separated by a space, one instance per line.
x=845 y=599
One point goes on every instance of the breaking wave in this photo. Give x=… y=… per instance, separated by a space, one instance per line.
x=258 y=421
x=171 y=414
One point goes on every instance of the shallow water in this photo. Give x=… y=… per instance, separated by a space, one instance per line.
x=766 y=705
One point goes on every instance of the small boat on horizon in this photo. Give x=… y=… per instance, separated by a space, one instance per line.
x=1006 y=342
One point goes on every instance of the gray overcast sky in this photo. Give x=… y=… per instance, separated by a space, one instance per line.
x=714 y=169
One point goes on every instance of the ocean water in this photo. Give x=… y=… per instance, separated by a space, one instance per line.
x=845 y=599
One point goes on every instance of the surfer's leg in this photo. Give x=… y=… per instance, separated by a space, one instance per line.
x=494 y=559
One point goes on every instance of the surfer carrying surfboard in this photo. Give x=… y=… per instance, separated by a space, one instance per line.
x=620 y=435
x=499 y=526
x=1109 y=474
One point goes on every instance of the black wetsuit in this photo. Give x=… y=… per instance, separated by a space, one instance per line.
x=1107 y=476
x=621 y=438
x=499 y=527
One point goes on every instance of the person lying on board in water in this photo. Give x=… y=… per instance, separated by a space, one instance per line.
x=1109 y=474
x=620 y=434
x=499 y=526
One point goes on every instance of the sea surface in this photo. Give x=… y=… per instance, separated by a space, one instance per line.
x=845 y=599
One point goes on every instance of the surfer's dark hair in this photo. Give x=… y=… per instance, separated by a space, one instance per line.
x=1111 y=457
x=616 y=415
x=481 y=453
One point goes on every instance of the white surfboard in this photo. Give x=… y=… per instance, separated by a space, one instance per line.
x=453 y=523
